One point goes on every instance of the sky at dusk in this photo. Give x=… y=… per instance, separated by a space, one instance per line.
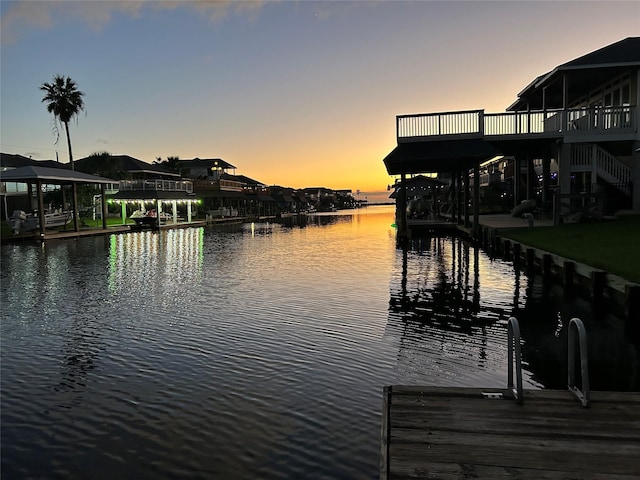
x=294 y=93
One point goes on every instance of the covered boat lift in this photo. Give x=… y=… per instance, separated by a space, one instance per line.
x=455 y=156
x=39 y=176
x=156 y=193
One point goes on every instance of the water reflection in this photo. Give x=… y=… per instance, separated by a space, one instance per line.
x=139 y=260
x=227 y=352
x=441 y=284
x=443 y=312
x=452 y=302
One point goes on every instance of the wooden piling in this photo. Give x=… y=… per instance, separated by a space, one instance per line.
x=568 y=274
x=507 y=248
x=531 y=259
x=516 y=254
x=547 y=263
x=497 y=242
x=632 y=302
x=598 y=281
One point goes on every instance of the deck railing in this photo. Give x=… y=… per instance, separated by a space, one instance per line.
x=157 y=185
x=226 y=185
x=518 y=123
x=436 y=124
x=476 y=123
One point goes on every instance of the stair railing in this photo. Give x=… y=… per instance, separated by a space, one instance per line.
x=610 y=165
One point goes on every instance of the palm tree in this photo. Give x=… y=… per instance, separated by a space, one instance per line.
x=64 y=100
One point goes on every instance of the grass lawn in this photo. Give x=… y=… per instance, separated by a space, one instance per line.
x=613 y=245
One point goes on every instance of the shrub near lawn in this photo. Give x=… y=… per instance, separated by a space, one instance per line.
x=613 y=245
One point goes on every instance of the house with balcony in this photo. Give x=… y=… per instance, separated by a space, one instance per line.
x=221 y=192
x=570 y=136
x=142 y=188
x=210 y=169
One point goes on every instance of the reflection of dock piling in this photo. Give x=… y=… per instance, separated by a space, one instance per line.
x=620 y=295
x=430 y=432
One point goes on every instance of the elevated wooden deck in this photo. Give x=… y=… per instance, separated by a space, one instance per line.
x=455 y=433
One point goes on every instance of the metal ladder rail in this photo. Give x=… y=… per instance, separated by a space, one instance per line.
x=576 y=326
x=513 y=343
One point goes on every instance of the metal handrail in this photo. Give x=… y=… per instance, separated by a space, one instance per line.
x=513 y=329
x=583 y=395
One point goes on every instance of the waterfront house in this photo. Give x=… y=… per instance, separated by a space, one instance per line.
x=289 y=200
x=283 y=198
x=324 y=198
x=260 y=203
x=205 y=168
x=9 y=161
x=219 y=190
x=142 y=186
x=123 y=167
x=570 y=140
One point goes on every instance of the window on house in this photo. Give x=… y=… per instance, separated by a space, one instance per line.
x=625 y=94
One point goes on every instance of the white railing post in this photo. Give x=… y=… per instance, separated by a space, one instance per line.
x=594 y=163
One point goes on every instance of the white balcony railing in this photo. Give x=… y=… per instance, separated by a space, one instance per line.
x=476 y=123
x=468 y=122
x=157 y=185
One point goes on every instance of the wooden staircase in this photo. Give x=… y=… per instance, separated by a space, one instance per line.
x=595 y=159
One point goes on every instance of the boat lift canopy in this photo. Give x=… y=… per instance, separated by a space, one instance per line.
x=57 y=176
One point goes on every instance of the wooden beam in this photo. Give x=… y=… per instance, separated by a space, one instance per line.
x=41 y=217
x=103 y=192
x=76 y=217
x=476 y=200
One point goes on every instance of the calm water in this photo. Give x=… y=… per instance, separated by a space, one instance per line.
x=259 y=351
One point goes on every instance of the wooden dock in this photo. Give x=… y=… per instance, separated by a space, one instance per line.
x=61 y=234
x=455 y=433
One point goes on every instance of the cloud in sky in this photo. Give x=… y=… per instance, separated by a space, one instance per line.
x=21 y=16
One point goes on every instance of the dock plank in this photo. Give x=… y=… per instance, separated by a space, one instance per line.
x=431 y=432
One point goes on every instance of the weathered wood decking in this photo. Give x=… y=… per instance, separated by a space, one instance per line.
x=453 y=433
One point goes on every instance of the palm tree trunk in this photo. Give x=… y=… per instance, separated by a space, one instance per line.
x=66 y=127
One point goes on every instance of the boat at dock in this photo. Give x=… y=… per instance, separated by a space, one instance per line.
x=149 y=219
x=145 y=219
x=20 y=221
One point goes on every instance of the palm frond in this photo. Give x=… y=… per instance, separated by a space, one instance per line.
x=63 y=98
